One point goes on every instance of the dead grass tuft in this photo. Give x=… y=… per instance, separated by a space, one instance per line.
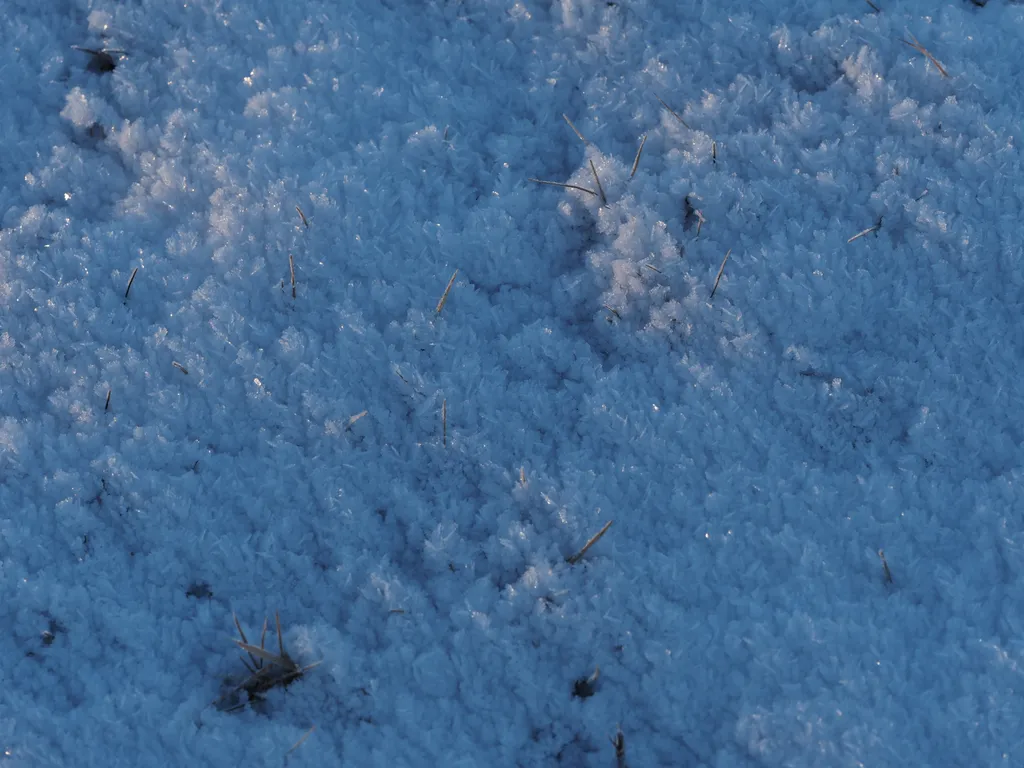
x=266 y=670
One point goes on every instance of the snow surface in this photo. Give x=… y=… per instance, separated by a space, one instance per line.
x=263 y=453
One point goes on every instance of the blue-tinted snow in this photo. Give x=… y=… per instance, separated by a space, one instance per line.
x=262 y=453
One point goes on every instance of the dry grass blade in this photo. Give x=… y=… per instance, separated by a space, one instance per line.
x=718 y=277
x=566 y=186
x=130 y=281
x=600 y=189
x=864 y=232
x=674 y=114
x=255 y=665
x=280 y=637
x=353 y=419
x=585 y=687
x=444 y=296
x=593 y=540
x=102 y=60
x=575 y=129
x=885 y=567
x=282 y=661
x=913 y=43
x=241 y=632
x=301 y=741
x=636 y=160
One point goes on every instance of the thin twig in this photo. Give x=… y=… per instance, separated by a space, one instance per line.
x=593 y=170
x=593 y=540
x=636 y=160
x=567 y=186
x=674 y=114
x=575 y=129
x=718 y=277
x=913 y=43
x=444 y=296
x=130 y=281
